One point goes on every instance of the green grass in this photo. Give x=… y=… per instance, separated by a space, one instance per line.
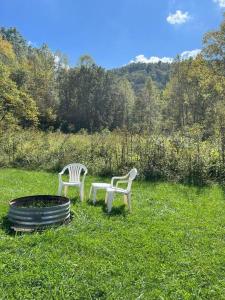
x=172 y=246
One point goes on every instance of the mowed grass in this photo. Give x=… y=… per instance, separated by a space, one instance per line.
x=172 y=246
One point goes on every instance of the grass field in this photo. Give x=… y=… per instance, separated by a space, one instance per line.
x=172 y=246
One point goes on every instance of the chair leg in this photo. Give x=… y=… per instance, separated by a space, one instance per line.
x=81 y=193
x=60 y=189
x=90 y=193
x=129 y=201
x=65 y=190
x=94 y=195
x=125 y=199
x=109 y=200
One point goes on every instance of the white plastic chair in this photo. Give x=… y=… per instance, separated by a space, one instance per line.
x=110 y=192
x=75 y=171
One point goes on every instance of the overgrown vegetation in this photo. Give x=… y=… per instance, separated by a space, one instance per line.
x=170 y=247
x=184 y=158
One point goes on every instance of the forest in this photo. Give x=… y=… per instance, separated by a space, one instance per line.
x=167 y=120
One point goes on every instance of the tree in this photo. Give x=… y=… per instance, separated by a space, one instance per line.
x=15 y=38
x=147 y=110
x=93 y=98
x=15 y=105
x=7 y=55
x=126 y=100
x=41 y=84
x=214 y=49
x=85 y=60
x=214 y=52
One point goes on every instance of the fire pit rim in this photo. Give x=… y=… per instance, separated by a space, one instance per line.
x=14 y=203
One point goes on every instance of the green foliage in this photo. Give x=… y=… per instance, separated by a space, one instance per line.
x=41 y=84
x=139 y=73
x=170 y=247
x=146 y=113
x=15 y=38
x=91 y=98
x=7 y=54
x=182 y=157
x=214 y=49
x=126 y=101
x=16 y=105
x=85 y=60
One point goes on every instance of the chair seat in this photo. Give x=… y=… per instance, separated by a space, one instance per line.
x=101 y=185
x=117 y=190
x=71 y=183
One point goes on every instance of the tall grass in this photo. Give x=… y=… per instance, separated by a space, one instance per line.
x=176 y=158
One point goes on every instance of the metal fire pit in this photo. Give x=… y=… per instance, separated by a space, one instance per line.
x=38 y=212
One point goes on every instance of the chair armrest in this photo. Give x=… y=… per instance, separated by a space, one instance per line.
x=60 y=174
x=121 y=181
x=117 y=178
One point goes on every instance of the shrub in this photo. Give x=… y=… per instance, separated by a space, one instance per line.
x=176 y=158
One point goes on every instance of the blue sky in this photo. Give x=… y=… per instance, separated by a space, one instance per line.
x=114 y=32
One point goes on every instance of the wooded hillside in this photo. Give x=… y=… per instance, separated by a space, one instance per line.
x=139 y=73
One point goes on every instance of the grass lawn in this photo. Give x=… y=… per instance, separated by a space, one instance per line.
x=171 y=247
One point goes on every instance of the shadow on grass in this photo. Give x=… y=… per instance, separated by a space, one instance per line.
x=6 y=226
x=97 y=203
x=74 y=200
x=116 y=210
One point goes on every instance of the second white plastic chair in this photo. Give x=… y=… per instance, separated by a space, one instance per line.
x=110 y=192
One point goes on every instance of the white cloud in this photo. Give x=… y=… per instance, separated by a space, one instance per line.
x=155 y=59
x=179 y=17
x=220 y=2
x=188 y=54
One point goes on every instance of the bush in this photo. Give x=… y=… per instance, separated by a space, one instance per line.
x=176 y=158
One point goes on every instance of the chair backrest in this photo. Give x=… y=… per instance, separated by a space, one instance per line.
x=75 y=171
x=131 y=176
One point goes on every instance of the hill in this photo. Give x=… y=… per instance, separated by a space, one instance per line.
x=138 y=73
